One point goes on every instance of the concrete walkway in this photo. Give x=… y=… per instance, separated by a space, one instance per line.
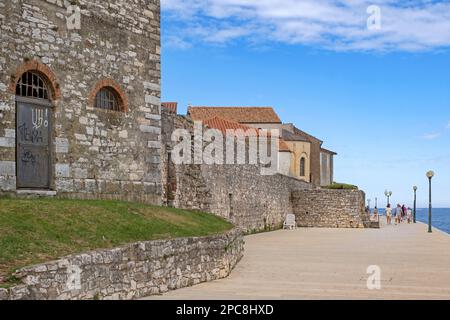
x=332 y=264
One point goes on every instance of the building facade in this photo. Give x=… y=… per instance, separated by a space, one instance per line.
x=301 y=154
x=236 y=192
x=80 y=98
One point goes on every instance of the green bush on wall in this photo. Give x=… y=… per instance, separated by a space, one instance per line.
x=341 y=186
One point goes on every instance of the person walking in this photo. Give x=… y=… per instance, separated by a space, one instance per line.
x=398 y=214
x=394 y=214
x=375 y=214
x=389 y=214
x=409 y=214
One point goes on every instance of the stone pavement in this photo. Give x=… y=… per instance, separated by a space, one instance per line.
x=332 y=264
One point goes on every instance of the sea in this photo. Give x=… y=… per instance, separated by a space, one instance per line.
x=440 y=218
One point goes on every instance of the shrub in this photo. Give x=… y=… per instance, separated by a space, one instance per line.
x=341 y=186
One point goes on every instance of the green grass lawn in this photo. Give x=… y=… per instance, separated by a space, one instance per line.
x=36 y=231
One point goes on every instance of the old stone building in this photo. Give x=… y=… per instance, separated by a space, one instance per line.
x=321 y=171
x=80 y=98
x=237 y=192
x=241 y=194
x=307 y=160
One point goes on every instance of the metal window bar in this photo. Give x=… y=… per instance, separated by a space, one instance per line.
x=107 y=99
x=32 y=85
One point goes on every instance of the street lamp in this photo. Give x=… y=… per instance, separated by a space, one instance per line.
x=430 y=175
x=415 y=203
x=388 y=194
x=376 y=202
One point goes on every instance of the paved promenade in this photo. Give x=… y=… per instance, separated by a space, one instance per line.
x=332 y=264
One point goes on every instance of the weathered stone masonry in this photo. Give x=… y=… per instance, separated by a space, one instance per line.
x=238 y=193
x=95 y=153
x=330 y=208
x=130 y=272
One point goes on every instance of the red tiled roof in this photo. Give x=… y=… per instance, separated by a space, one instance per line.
x=236 y=114
x=223 y=125
x=171 y=106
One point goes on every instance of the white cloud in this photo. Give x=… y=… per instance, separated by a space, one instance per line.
x=406 y=25
x=431 y=136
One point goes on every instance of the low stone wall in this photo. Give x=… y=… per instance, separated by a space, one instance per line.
x=322 y=208
x=239 y=193
x=132 y=271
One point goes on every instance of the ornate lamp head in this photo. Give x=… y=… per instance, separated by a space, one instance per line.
x=430 y=174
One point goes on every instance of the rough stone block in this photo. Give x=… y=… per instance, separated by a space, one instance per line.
x=62 y=145
x=150 y=129
x=62 y=170
x=65 y=185
x=154 y=144
x=152 y=100
x=6 y=142
x=8 y=183
x=80 y=173
x=90 y=185
x=7 y=168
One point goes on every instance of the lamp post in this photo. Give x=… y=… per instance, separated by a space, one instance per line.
x=430 y=175
x=415 y=203
x=376 y=202
x=388 y=194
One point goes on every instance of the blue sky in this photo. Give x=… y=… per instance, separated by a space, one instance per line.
x=382 y=101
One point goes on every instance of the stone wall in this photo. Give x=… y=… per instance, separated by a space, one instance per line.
x=95 y=153
x=239 y=193
x=330 y=208
x=133 y=271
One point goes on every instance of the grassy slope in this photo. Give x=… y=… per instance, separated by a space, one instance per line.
x=35 y=231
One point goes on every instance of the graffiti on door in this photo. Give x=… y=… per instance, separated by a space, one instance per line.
x=33 y=138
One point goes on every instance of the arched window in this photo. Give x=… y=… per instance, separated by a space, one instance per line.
x=107 y=98
x=32 y=85
x=302 y=167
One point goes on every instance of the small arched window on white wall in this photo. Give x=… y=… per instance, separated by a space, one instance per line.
x=302 y=167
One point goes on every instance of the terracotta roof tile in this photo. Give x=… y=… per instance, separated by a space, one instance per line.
x=223 y=125
x=237 y=114
x=171 y=106
x=289 y=136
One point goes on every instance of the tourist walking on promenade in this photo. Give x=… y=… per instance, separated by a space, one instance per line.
x=410 y=213
x=405 y=212
x=375 y=214
x=394 y=214
x=389 y=214
x=400 y=214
